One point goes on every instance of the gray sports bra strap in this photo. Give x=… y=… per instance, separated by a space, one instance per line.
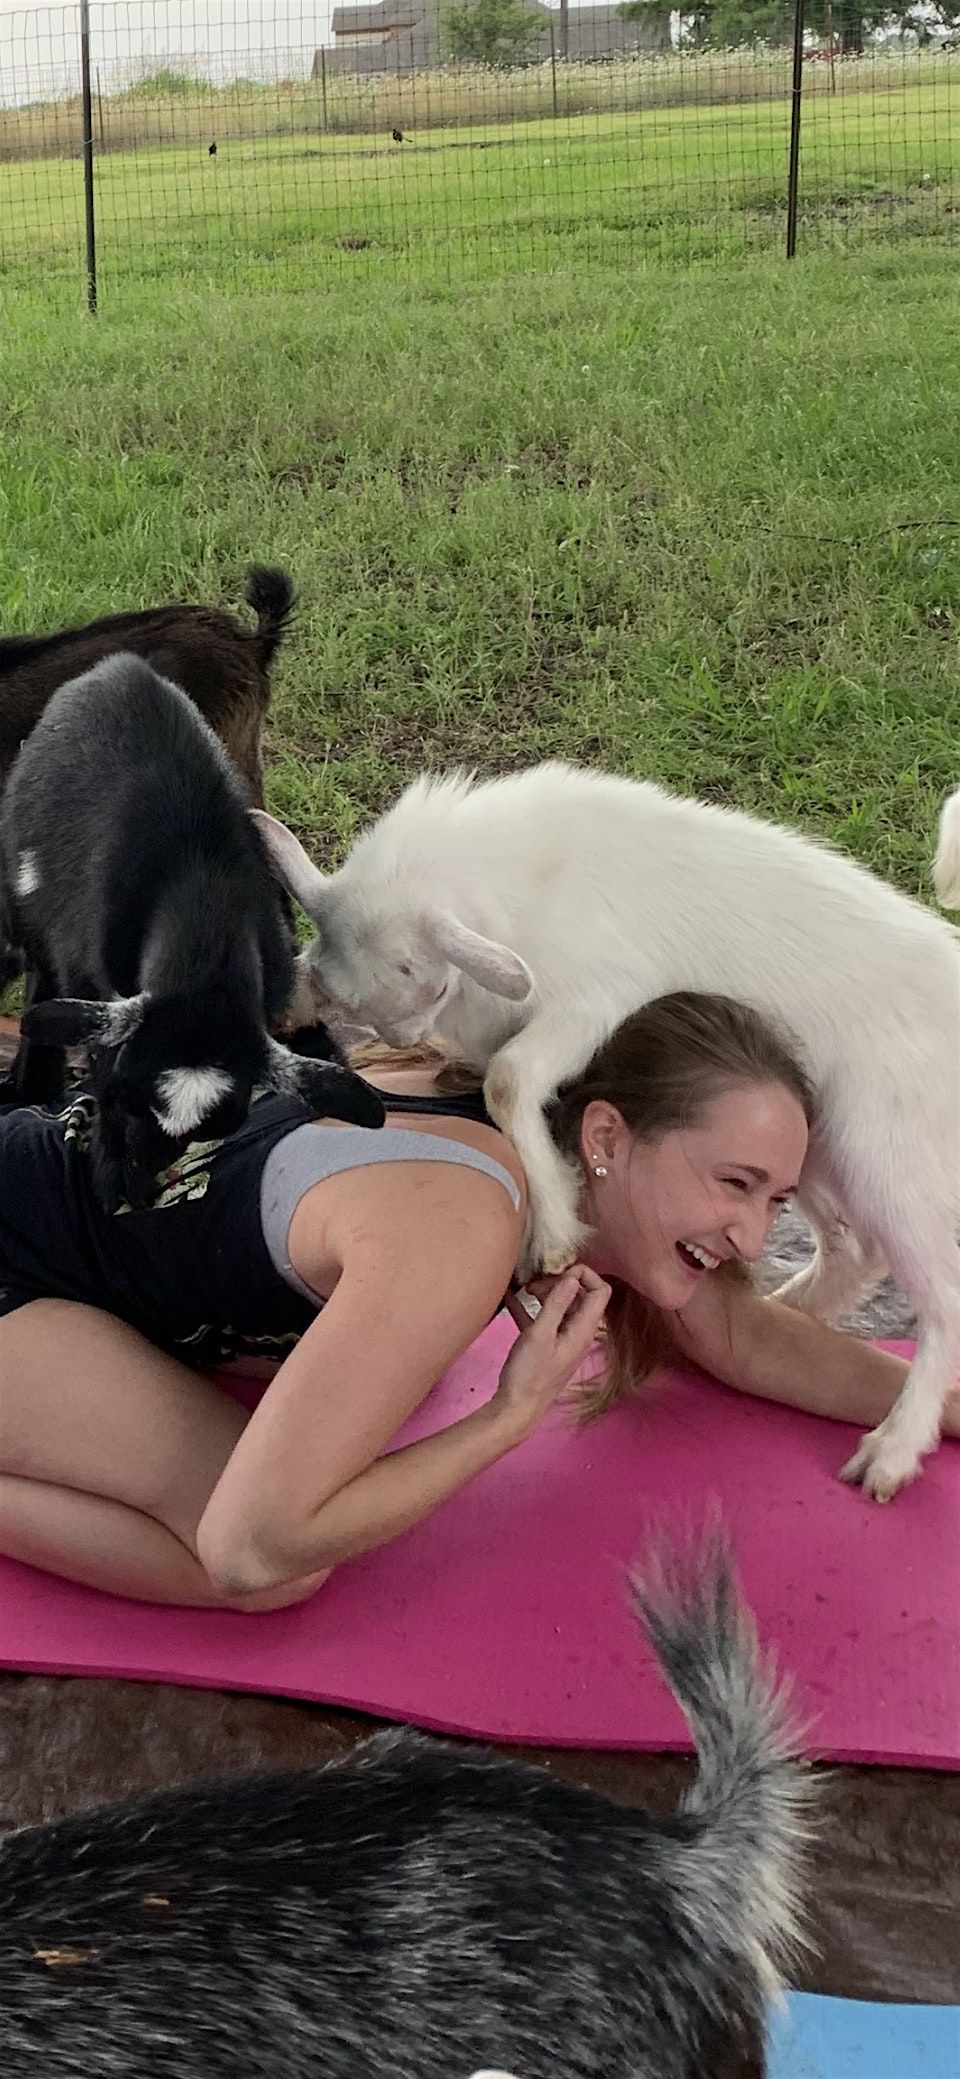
x=309 y=1154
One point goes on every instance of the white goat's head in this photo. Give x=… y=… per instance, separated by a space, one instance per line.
x=384 y=951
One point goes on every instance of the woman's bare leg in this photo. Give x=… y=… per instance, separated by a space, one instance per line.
x=109 y=1452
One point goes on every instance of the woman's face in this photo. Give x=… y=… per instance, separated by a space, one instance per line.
x=670 y=1211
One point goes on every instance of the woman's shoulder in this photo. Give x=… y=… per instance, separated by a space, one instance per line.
x=465 y=1139
x=416 y=1214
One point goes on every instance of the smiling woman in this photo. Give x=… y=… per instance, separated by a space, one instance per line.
x=367 y=1262
x=692 y=1124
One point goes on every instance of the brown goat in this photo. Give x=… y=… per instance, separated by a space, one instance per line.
x=222 y=666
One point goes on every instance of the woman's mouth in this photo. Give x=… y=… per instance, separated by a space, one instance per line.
x=695 y=1258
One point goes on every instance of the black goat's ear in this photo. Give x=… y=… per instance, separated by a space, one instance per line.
x=338 y=1093
x=69 y=1021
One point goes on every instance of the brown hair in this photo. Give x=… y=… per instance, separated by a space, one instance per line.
x=662 y=1069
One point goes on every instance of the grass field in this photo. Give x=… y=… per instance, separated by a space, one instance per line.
x=488 y=182
x=684 y=524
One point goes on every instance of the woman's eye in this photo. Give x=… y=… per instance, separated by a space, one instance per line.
x=737 y=1183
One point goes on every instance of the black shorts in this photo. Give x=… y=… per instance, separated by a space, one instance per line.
x=191 y=1272
x=39 y=1253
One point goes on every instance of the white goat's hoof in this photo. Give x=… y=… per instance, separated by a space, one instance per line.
x=549 y=1250
x=882 y=1465
x=806 y=1294
x=556 y=1261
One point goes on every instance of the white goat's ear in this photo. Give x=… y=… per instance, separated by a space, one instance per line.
x=67 y=1021
x=493 y=966
x=290 y=862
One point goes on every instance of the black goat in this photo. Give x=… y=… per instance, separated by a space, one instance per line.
x=223 y=667
x=132 y=875
x=414 y=1912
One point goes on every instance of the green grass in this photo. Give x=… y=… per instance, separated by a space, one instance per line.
x=500 y=192
x=646 y=520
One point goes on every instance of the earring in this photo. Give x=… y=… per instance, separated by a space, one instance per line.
x=599 y=1169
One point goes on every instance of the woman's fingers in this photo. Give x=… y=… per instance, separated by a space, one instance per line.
x=575 y=1305
x=583 y=1323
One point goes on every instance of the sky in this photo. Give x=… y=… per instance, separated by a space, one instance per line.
x=39 y=48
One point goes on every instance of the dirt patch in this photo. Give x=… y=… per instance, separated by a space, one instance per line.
x=325 y=469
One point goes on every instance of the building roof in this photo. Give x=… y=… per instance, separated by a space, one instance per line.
x=383 y=14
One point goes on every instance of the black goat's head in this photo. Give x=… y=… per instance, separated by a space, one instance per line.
x=168 y=1072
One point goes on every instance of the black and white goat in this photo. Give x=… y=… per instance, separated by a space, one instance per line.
x=416 y=1911
x=132 y=875
x=224 y=668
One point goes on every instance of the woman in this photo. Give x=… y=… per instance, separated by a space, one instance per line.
x=374 y=1259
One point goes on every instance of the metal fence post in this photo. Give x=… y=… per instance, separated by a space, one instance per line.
x=87 y=105
x=553 y=70
x=793 y=171
x=323 y=83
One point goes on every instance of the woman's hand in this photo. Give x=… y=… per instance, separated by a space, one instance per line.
x=549 y=1349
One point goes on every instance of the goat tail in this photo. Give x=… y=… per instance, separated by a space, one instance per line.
x=752 y=1797
x=272 y=595
x=946 y=865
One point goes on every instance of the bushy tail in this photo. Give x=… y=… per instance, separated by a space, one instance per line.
x=752 y=1795
x=946 y=866
x=272 y=596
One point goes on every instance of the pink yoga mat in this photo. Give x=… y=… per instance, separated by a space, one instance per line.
x=505 y=1616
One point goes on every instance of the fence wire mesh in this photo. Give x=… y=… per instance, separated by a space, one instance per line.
x=410 y=137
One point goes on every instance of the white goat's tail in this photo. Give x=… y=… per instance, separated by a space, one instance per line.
x=946 y=865
x=752 y=1795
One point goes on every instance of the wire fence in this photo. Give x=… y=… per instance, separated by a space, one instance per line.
x=415 y=138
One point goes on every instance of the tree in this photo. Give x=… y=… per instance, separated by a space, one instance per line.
x=491 y=32
x=725 y=24
x=652 y=13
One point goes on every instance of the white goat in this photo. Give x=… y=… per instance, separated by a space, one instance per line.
x=522 y=919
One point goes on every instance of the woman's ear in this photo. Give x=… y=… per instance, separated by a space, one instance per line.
x=602 y=1129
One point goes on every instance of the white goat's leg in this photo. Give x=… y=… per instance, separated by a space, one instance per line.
x=925 y=1260
x=521 y=1079
x=845 y=1267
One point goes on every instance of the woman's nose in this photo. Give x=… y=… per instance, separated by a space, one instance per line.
x=747 y=1234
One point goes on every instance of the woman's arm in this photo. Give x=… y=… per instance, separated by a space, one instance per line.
x=398 y=1490
x=308 y=1485
x=764 y=1348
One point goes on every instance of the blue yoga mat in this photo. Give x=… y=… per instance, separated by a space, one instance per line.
x=854 y=2039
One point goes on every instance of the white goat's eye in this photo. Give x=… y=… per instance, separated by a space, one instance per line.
x=405 y=970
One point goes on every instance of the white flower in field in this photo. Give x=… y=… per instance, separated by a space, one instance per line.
x=547 y=162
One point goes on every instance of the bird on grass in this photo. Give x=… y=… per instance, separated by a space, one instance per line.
x=397 y=136
x=212 y=150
